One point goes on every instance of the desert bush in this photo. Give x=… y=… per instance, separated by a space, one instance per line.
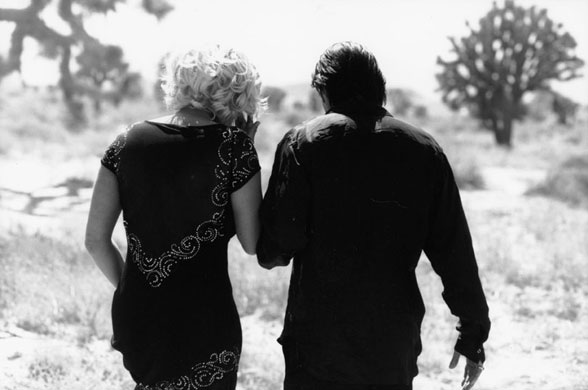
x=421 y=112
x=468 y=175
x=47 y=370
x=275 y=97
x=567 y=181
x=547 y=102
x=565 y=109
x=401 y=100
x=295 y=117
x=461 y=153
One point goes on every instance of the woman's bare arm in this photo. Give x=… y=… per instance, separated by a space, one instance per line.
x=104 y=211
x=246 y=202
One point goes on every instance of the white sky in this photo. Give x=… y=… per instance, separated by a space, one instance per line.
x=285 y=38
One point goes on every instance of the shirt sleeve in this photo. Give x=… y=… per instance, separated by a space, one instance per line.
x=449 y=248
x=111 y=158
x=284 y=210
x=244 y=160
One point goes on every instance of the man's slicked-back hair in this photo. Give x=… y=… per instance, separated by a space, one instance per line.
x=349 y=75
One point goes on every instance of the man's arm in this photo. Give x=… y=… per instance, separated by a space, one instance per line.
x=284 y=210
x=449 y=248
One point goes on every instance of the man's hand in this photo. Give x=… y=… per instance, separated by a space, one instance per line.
x=276 y=263
x=247 y=125
x=471 y=373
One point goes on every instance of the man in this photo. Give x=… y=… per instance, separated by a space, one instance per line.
x=354 y=197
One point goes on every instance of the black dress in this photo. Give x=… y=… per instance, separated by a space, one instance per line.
x=173 y=313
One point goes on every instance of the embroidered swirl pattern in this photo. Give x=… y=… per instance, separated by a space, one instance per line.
x=201 y=375
x=157 y=269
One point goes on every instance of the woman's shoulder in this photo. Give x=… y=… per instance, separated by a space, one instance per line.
x=135 y=131
x=158 y=130
x=122 y=136
x=135 y=128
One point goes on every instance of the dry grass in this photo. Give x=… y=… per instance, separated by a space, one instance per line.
x=52 y=287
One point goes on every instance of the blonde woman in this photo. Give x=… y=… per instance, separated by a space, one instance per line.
x=186 y=183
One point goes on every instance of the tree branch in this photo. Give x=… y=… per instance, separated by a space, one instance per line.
x=12 y=15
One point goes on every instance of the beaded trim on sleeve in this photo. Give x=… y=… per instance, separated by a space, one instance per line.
x=111 y=157
x=247 y=155
x=201 y=375
x=157 y=269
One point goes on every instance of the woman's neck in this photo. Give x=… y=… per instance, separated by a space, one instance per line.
x=191 y=116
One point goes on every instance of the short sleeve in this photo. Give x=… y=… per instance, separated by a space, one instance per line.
x=285 y=206
x=111 y=158
x=244 y=161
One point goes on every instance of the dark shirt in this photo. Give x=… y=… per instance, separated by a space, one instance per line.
x=355 y=202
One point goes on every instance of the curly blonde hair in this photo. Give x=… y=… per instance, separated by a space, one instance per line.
x=220 y=80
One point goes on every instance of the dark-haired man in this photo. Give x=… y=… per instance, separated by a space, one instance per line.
x=354 y=197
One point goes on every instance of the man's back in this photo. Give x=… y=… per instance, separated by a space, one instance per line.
x=355 y=207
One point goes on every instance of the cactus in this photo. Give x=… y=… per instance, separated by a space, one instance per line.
x=515 y=50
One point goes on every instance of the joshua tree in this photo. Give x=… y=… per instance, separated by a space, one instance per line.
x=514 y=50
x=102 y=72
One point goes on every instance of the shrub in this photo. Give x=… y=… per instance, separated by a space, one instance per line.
x=421 y=111
x=401 y=100
x=464 y=163
x=467 y=174
x=275 y=97
x=568 y=182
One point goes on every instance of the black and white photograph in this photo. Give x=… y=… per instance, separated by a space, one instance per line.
x=293 y=194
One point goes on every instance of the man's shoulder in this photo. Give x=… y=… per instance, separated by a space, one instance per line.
x=320 y=128
x=407 y=133
x=398 y=133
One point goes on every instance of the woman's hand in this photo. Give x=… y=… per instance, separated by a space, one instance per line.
x=247 y=125
x=471 y=373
